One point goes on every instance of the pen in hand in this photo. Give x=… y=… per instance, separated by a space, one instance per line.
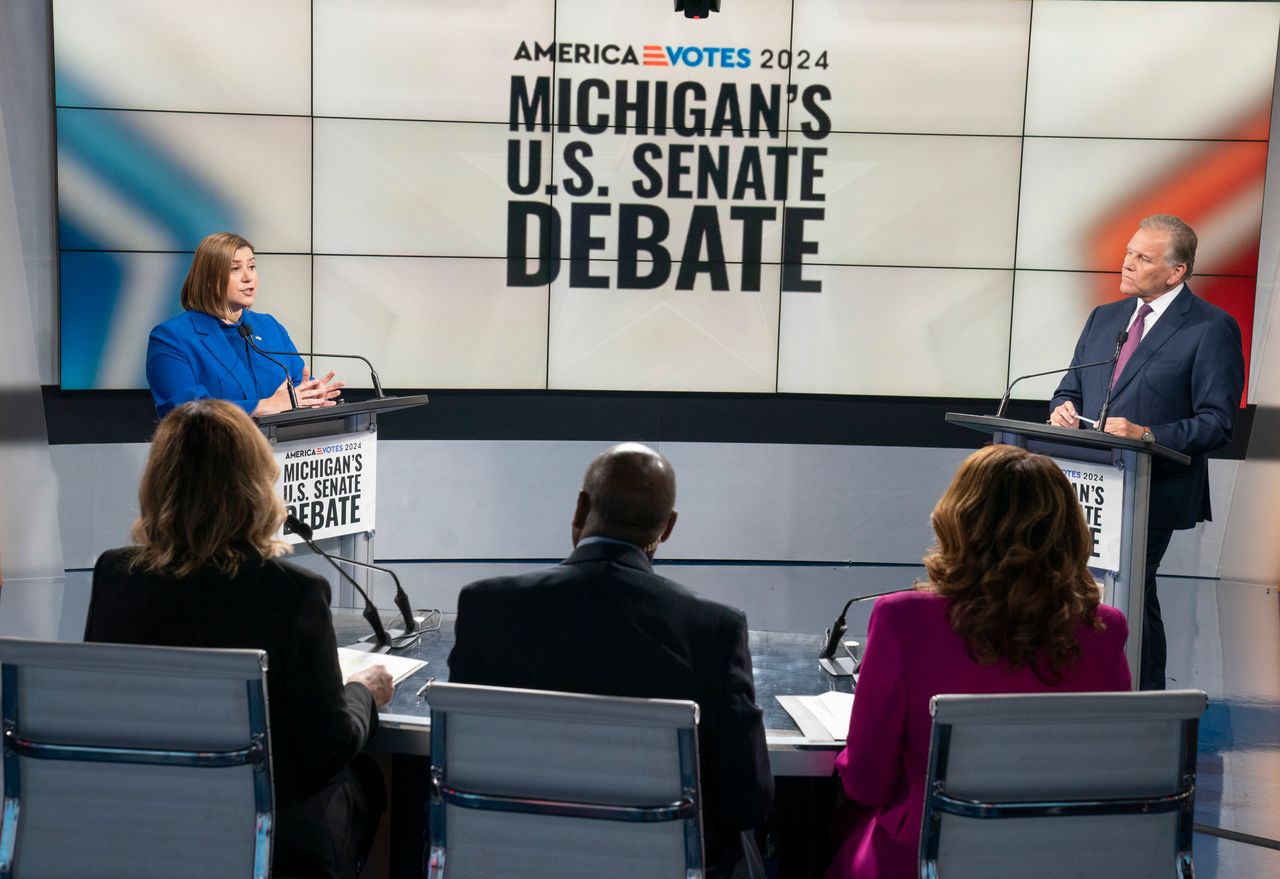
x=1089 y=421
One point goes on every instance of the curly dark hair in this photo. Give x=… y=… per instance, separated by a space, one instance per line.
x=1012 y=552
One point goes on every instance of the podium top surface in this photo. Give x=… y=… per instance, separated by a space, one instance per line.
x=1090 y=439
x=375 y=406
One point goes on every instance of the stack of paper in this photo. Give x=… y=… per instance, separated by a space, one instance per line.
x=400 y=667
x=821 y=718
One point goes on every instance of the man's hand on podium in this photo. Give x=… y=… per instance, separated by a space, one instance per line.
x=1065 y=415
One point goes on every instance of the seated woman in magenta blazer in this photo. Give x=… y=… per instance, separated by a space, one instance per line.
x=1009 y=607
x=201 y=352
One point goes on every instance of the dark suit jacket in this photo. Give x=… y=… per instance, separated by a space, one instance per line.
x=1184 y=382
x=317 y=724
x=190 y=357
x=603 y=622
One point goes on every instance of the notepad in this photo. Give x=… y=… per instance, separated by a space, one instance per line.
x=400 y=667
x=821 y=718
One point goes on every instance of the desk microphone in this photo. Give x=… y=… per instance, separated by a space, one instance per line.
x=382 y=641
x=1004 y=401
x=247 y=334
x=827 y=655
x=1111 y=383
x=410 y=622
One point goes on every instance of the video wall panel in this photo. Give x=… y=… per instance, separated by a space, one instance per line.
x=940 y=67
x=890 y=330
x=463 y=321
x=375 y=194
x=681 y=335
x=245 y=56
x=1149 y=69
x=794 y=196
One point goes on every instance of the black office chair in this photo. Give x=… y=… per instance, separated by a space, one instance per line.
x=1060 y=785
x=129 y=761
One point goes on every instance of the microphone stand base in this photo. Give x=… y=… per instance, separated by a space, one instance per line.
x=366 y=645
x=838 y=666
x=396 y=635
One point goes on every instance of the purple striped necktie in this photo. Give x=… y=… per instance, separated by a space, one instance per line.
x=1131 y=343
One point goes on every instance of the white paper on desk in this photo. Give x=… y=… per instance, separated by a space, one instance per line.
x=400 y=667
x=820 y=717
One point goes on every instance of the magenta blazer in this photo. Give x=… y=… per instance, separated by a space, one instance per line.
x=913 y=655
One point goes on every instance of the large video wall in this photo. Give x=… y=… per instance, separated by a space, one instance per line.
x=798 y=196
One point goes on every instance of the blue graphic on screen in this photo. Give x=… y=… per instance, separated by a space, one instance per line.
x=111 y=298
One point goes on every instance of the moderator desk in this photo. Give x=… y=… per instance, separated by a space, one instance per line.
x=784 y=664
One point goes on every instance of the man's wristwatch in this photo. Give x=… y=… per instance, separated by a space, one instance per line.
x=1147 y=435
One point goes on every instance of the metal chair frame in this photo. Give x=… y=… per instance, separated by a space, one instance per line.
x=938 y=802
x=441 y=794
x=17 y=746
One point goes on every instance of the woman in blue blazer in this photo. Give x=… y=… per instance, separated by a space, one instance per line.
x=203 y=352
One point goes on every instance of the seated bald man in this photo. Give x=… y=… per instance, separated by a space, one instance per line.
x=603 y=622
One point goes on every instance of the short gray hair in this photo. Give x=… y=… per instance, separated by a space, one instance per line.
x=1182 y=239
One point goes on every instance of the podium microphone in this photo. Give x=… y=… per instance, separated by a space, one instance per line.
x=247 y=334
x=1004 y=401
x=827 y=659
x=1106 y=401
x=373 y=373
x=382 y=641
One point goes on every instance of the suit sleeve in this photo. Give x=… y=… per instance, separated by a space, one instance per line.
x=871 y=768
x=329 y=722
x=1069 y=388
x=467 y=659
x=739 y=782
x=1215 y=384
x=102 y=572
x=171 y=374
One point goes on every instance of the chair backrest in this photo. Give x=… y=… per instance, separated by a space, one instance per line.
x=134 y=761
x=1061 y=785
x=532 y=783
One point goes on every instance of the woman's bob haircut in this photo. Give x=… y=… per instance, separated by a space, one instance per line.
x=205 y=288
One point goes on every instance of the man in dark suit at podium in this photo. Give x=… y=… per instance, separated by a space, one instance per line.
x=603 y=622
x=1177 y=382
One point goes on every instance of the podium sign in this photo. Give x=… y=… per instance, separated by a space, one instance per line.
x=330 y=482
x=1100 y=491
x=329 y=473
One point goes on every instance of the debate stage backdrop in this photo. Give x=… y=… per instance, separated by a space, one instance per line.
x=815 y=196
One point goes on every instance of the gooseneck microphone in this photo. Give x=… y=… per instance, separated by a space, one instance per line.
x=246 y=333
x=382 y=641
x=1004 y=401
x=401 y=600
x=373 y=373
x=833 y=635
x=1121 y=337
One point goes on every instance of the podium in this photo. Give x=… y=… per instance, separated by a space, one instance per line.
x=347 y=424
x=1100 y=454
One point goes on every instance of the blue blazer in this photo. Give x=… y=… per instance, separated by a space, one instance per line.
x=189 y=357
x=1184 y=382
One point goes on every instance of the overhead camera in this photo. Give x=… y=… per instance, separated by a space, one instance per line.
x=697 y=8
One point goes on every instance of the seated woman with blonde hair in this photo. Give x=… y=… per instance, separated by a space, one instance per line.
x=1009 y=607
x=205 y=573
